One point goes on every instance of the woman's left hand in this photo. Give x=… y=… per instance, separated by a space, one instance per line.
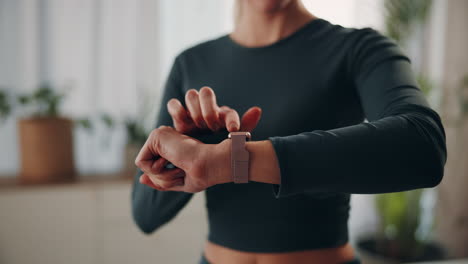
x=199 y=165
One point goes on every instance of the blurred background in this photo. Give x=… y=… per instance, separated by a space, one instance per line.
x=80 y=82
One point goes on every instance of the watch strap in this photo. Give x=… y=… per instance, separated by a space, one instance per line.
x=239 y=157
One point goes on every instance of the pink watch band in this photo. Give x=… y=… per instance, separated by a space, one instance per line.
x=239 y=157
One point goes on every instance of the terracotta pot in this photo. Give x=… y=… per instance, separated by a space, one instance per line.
x=46 y=149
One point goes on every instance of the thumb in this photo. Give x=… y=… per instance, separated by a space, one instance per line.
x=177 y=148
x=251 y=118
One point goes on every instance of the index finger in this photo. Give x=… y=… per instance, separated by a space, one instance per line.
x=230 y=118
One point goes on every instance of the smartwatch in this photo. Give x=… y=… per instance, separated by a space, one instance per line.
x=239 y=156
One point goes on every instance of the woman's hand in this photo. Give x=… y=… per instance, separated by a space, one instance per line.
x=199 y=165
x=204 y=115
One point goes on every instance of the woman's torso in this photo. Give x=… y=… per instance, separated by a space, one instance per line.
x=302 y=84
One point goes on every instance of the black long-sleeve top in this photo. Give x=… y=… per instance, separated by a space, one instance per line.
x=316 y=89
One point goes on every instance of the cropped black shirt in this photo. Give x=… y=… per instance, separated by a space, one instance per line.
x=316 y=88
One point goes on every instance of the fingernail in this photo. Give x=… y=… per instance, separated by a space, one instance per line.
x=232 y=126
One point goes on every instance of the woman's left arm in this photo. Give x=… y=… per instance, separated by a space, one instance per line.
x=402 y=147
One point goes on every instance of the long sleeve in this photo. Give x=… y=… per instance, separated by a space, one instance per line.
x=401 y=147
x=152 y=208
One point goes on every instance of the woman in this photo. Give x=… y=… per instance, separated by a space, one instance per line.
x=313 y=83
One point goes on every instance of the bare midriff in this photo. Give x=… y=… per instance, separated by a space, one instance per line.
x=217 y=254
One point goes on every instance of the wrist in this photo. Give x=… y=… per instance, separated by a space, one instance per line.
x=218 y=166
x=263 y=163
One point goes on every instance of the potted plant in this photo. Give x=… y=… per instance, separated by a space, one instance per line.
x=399 y=238
x=136 y=132
x=45 y=136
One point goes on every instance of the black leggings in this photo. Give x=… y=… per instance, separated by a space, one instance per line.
x=203 y=260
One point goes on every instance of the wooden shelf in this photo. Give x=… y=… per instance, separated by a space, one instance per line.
x=10 y=182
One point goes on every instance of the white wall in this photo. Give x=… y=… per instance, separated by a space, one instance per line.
x=18 y=66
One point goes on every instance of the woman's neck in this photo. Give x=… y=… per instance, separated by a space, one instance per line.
x=255 y=28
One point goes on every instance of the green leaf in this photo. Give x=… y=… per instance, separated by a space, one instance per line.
x=107 y=120
x=136 y=133
x=400 y=216
x=425 y=84
x=84 y=123
x=401 y=15
x=5 y=107
x=44 y=93
x=24 y=99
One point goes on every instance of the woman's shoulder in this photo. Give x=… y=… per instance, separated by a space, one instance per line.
x=331 y=30
x=357 y=41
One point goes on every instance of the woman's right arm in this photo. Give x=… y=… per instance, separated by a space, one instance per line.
x=152 y=208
